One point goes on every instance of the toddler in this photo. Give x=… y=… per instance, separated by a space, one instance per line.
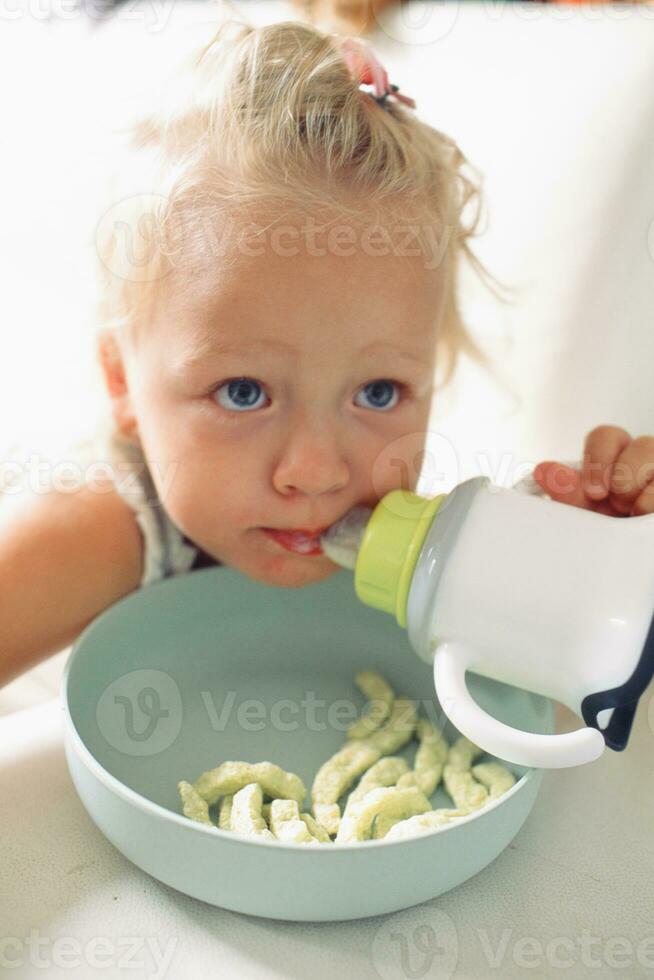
x=278 y=290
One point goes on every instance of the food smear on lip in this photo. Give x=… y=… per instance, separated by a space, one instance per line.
x=297 y=541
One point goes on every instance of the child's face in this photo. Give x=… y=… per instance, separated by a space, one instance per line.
x=305 y=436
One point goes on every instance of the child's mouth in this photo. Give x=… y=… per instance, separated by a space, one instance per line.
x=299 y=541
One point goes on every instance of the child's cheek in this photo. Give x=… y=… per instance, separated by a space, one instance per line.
x=209 y=506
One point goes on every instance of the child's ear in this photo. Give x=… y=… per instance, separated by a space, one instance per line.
x=113 y=369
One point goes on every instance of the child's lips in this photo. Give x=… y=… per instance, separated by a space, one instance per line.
x=301 y=541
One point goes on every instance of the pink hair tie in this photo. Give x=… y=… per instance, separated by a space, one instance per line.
x=366 y=69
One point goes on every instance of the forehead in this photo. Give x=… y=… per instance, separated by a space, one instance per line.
x=306 y=281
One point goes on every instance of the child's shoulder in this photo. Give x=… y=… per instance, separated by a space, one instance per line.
x=100 y=455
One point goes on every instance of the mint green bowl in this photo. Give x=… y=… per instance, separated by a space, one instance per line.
x=200 y=668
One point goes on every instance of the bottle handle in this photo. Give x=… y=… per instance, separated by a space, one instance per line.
x=451 y=661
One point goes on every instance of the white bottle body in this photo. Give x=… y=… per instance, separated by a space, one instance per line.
x=547 y=597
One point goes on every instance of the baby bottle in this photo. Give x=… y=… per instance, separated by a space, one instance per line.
x=522 y=589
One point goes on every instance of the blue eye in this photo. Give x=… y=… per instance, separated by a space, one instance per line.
x=381 y=394
x=241 y=394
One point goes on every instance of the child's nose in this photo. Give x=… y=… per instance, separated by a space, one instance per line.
x=312 y=462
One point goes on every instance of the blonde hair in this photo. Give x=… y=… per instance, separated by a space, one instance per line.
x=270 y=116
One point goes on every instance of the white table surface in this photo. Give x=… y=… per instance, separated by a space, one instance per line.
x=575 y=886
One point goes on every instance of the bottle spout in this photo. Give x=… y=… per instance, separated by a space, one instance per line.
x=341 y=541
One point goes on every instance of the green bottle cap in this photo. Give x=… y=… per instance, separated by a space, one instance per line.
x=389 y=550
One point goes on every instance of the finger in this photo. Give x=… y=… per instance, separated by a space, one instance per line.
x=632 y=472
x=562 y=483
x=605 y=507
x=644 y=504
x=602 y=447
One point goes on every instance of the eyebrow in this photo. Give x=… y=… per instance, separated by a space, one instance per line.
x=196 y=355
